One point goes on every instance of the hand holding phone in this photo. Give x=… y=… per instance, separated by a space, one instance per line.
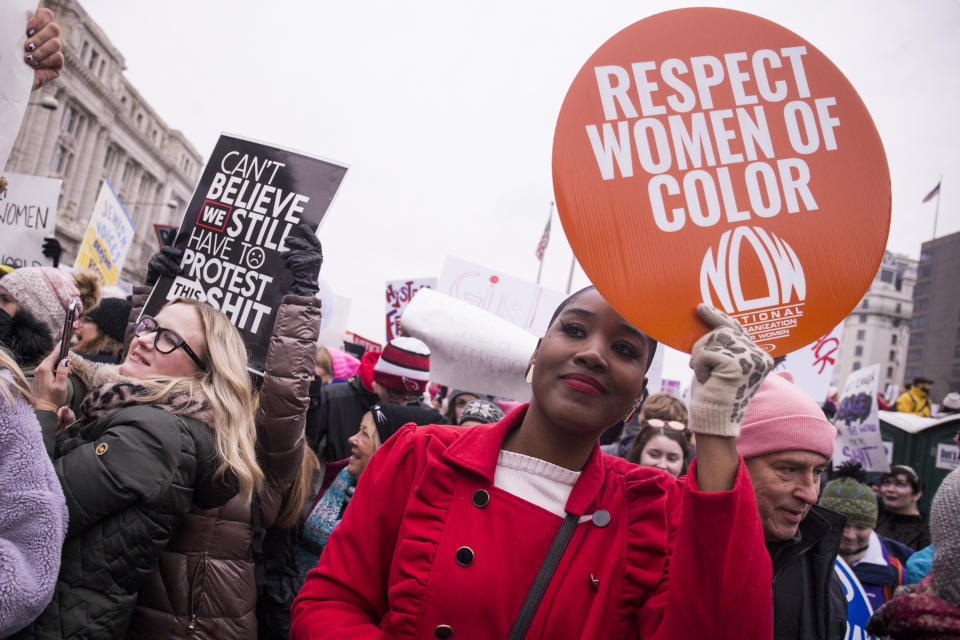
x=73 y=312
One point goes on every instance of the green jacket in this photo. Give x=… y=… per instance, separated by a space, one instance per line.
x=128 y=477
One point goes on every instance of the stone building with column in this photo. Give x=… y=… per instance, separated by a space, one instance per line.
x=878 y=330
x=103 y=128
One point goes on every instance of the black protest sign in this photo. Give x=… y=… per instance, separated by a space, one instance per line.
x=250 y=197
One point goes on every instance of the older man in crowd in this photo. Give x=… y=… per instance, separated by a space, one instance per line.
x=787 y=443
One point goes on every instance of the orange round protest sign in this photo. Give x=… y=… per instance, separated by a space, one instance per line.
x=708 y=155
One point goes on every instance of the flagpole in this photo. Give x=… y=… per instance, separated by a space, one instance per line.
x=540 y=268
x=573 y=262
x=936 y=211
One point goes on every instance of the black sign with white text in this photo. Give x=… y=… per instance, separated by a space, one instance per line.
x=250 y=197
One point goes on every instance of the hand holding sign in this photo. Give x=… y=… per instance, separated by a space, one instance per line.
x=164 y=264
x=303 y=260
x=53 y=250
x=43 y=48
x=728 y=368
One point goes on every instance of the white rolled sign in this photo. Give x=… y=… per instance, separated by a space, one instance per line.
x=470 y=348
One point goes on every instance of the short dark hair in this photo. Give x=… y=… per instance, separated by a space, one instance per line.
x=921 y=380
x=903 y=470
x=651 y=343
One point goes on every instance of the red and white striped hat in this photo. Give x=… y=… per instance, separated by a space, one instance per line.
x=404 y=365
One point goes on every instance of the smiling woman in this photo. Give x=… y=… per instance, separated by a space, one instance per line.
x=442 y=513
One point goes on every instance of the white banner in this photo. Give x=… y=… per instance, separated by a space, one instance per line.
x=655 y=372
x=524 y=304
x=947 y=456
x=28 y=214
x=858 y=423
x=16 y=78
x=108 y=237
x=470 y=348
x=334 y=323
x=812 y=366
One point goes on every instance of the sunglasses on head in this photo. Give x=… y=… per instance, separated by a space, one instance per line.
x=670 y=424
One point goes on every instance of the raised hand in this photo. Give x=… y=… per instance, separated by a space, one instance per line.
x=164 y=263
x=50 y=382
x=304 y=259
x=43 y=50
x=53 y=250
x=728 y=368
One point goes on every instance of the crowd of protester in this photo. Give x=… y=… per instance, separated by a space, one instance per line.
x=153 y=488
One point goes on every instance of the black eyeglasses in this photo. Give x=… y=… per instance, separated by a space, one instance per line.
x=166 y=340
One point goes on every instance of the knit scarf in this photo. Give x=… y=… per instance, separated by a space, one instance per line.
x=916 y=616
x=324 y=516
x=114 y=391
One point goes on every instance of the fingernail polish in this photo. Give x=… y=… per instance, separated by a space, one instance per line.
x=29 y=57
x=31 y=46
x=30 y=32
x=35 y=65
x=65 y=362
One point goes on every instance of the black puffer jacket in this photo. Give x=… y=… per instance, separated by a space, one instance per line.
x=808 y=599
x=128 y=478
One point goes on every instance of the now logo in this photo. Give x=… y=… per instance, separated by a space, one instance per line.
x=721 y=272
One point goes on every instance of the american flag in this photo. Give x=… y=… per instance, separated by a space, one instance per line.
x=932 y=193
x=544 y=239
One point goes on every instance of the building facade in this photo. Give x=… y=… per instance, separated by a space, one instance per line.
x=104 y=129
x=878 y=330
x=935 y=325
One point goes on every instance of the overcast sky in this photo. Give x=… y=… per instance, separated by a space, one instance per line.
x=445 y=111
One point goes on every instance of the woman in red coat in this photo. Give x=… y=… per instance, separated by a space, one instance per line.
x=448 y=527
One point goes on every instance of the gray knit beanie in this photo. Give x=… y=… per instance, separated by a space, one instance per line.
x=945 y=532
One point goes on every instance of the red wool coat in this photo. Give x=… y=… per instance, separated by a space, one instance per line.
x=673 y=562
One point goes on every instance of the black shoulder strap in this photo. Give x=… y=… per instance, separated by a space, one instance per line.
x=539 y=586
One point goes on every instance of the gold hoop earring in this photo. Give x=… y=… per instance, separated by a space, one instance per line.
x=529 y=377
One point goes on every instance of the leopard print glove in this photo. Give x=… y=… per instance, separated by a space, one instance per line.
x=727 y=370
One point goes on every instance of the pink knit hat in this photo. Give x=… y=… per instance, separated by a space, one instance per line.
x=344 y=364
x=43 y=291
x=782 y=417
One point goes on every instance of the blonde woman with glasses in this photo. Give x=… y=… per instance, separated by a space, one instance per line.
x=170 y=427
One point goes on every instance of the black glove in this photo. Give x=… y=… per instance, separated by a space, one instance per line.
x=303 y=259
x=52 y=250
x=164 y=263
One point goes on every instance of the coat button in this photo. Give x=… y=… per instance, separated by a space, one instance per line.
x=443 y=631
x=465 y=556
x=481 y=498
x=601 y=518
